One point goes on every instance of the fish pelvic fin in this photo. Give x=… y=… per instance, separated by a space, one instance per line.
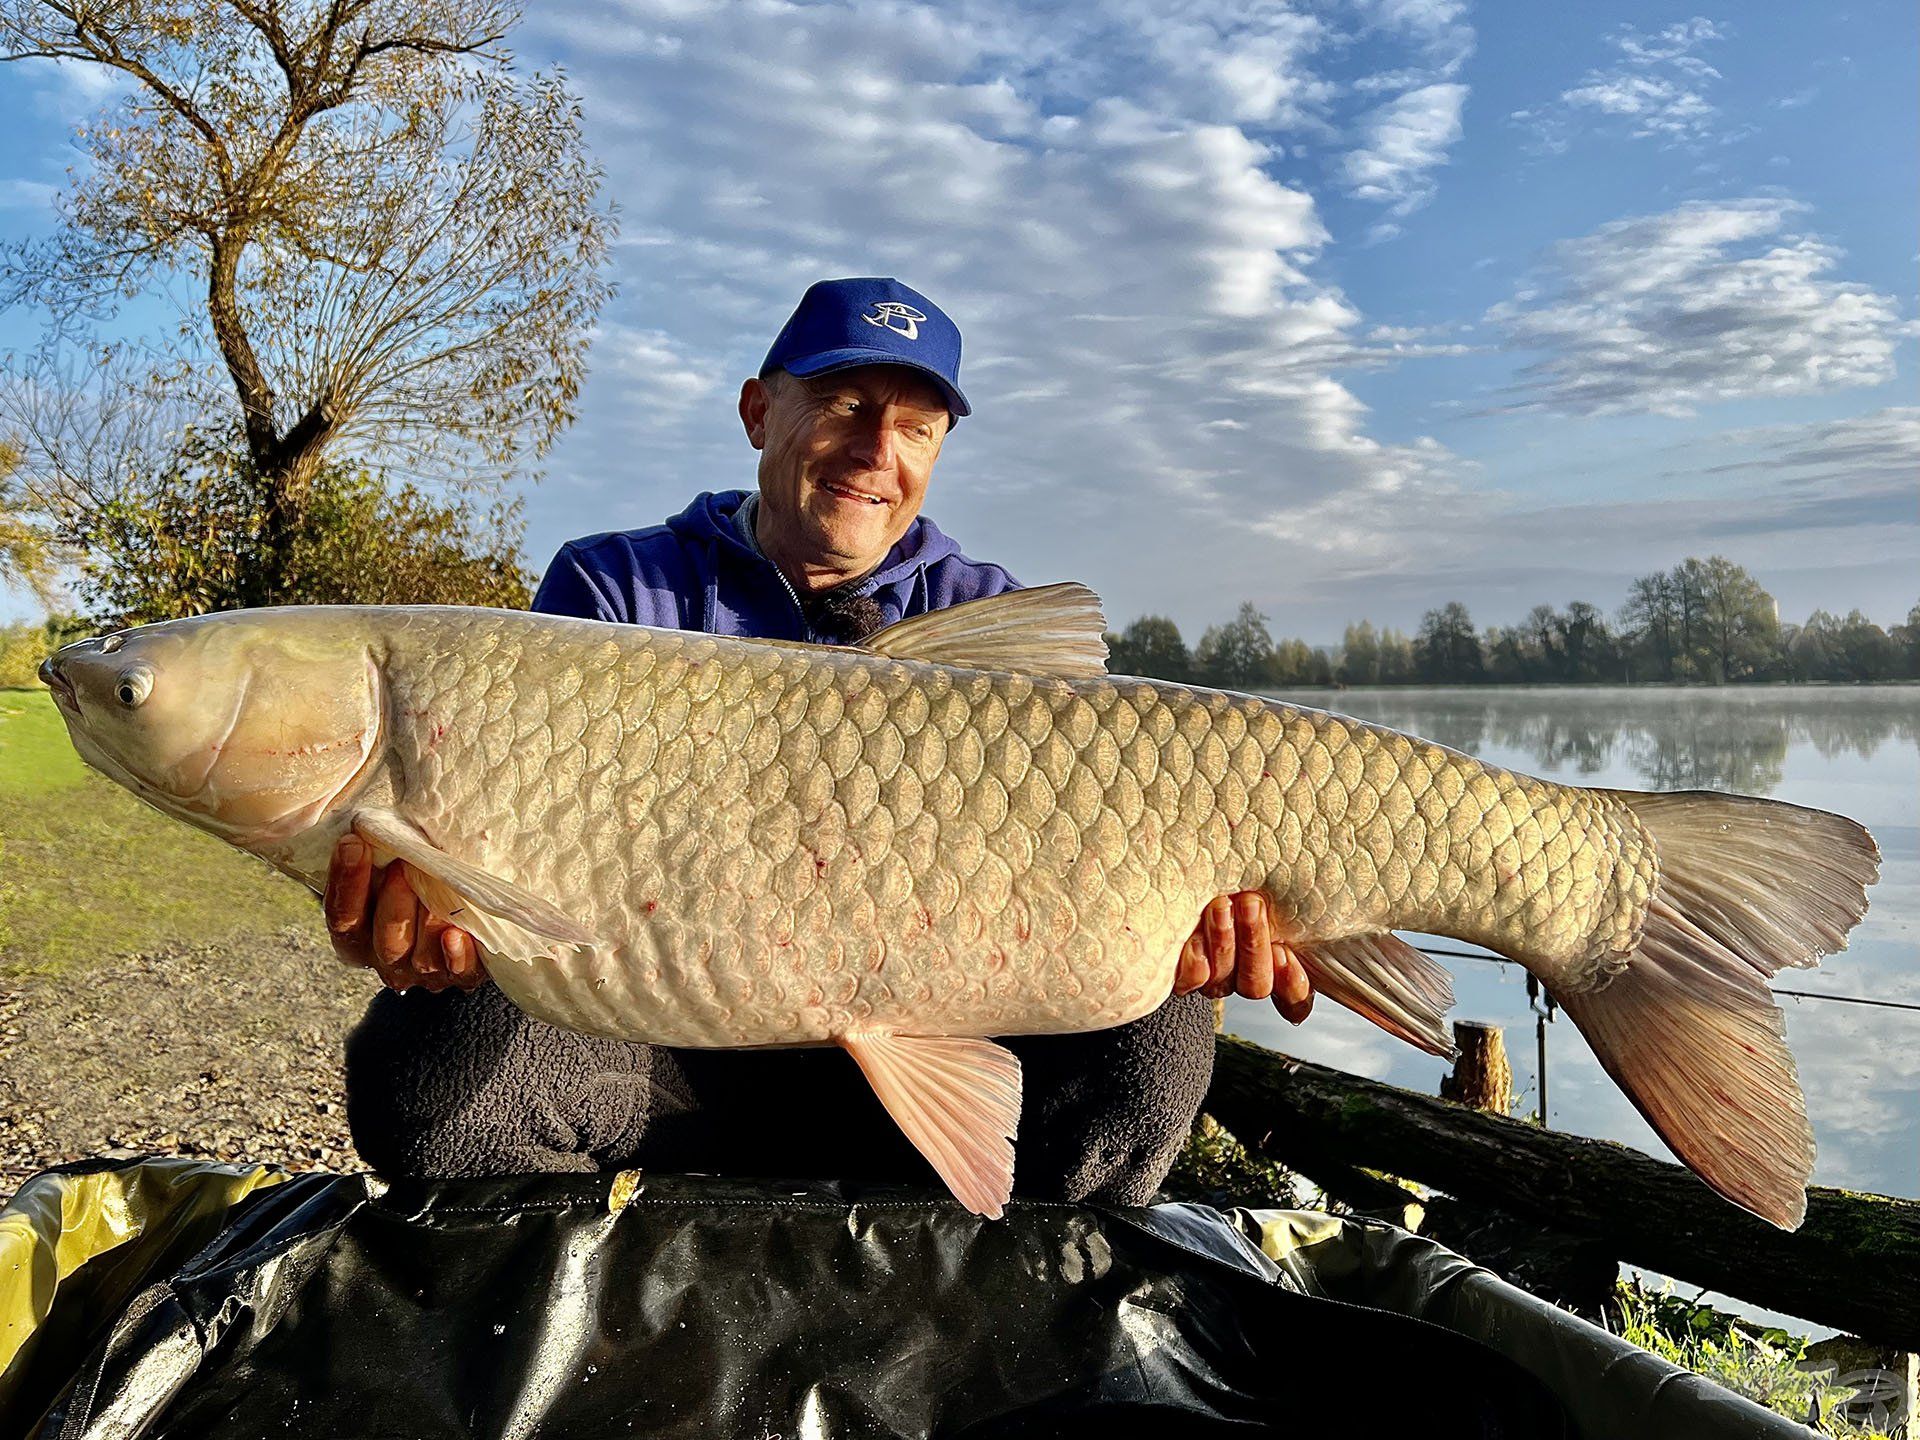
x=1048 y=630
x=1382 y=978
x=1689 y=1029
x=957 y=1099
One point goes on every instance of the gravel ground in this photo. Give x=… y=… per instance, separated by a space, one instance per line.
x=230 y=1051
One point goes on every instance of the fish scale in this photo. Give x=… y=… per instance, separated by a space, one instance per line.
x=964 y=829
x=1021 y=853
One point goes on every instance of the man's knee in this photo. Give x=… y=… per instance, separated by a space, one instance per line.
x=460 y=1084
x=1108 y=1112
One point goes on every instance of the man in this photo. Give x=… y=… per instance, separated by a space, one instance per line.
x=849 y=414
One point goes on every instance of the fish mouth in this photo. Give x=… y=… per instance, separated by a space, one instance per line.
x=62 y=688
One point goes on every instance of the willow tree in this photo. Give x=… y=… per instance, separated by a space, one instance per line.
x=389 y=243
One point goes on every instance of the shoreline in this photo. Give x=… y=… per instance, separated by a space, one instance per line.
x=228 y=1051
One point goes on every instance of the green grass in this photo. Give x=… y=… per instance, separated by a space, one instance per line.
x=88 y=873
x=1759 y=1363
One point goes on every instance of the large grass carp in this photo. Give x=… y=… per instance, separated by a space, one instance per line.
x=965 y=828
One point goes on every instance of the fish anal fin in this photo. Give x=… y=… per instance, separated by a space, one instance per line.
x=452 y=884
x=1048 y=630
x=957 y=1099
x=1382 y=978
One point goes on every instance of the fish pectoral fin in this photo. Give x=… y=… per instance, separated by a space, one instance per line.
x=468 y=885
x=1382 y=978
x=957 y=1099
x=1048 y=630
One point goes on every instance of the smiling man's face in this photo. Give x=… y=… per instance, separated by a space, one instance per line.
x=844 y=463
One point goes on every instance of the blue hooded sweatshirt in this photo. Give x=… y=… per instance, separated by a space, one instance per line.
x=702 y=571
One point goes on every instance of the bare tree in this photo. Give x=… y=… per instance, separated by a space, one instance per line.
x=392 y=242
x=1652 y=616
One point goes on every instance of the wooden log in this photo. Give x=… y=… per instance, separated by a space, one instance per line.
x=1854 y=1264
x=1481 y=1079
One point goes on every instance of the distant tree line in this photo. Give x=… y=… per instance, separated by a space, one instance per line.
x=1703 y=622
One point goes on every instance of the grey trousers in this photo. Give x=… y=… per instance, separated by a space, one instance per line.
x=460 y=1084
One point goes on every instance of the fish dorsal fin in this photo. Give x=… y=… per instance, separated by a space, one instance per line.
x=458 y=884
x=1049 y=630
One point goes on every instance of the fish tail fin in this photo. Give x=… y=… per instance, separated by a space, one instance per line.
x=1689 y=1029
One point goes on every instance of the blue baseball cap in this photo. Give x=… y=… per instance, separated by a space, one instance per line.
x=870 y=320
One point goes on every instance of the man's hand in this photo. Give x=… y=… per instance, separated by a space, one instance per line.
x=376 y=920
x=1232 y=950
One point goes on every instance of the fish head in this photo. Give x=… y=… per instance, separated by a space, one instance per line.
x=251 y=724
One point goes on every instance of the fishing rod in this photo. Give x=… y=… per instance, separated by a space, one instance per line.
x=1797 y=994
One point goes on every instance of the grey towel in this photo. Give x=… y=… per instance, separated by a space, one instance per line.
x=461 y=1084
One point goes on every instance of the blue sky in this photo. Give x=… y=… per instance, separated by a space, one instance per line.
x=1349 y=309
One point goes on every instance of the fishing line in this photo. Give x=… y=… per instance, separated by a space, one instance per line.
x=1797 y=994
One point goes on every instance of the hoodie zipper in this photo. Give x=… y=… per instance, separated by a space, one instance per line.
x=806 y=629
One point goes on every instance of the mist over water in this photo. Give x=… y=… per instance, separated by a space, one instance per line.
x=1851 y=750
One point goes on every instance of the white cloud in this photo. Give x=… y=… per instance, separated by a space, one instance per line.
x=653 y=370
x=16 y=194
x=1155 y=364
x=1706 y=302
x=1655 y=89
x=1881 y=446
x=1402 y=143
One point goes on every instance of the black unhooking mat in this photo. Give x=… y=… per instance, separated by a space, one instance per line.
x=674 y=1306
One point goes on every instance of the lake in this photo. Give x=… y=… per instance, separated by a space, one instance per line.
x=1852 y=750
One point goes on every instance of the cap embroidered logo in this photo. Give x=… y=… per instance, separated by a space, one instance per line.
x=888 y=311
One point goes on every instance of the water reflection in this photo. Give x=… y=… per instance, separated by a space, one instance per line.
x=1855 y=751
x=1667 y=739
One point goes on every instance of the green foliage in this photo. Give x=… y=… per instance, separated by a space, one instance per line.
x=1152 y=646
x=26 y=547
x=25 y=645
x=1705 y=621
x=1370 y=657
x=191 y=540
x=1216 y=1169
x=1855 y=648
x=1571 y=646
x=1907 y=637
x=1238 y=655
x=1758 y=1362
x=378 y=236
x=1447 y=651
x=92 y=873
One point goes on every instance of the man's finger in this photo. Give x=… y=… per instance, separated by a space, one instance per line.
x=349 y=876
x=457 y=955
x=463 y=959
x=1193 y=971
x=1292 y=986
x=1253 y=939
x=394 y=910
x=1217 y=922
x=425 y=957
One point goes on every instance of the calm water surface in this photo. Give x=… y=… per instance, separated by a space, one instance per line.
x=1856 y=751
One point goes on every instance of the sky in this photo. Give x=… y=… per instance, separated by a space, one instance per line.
x=1348 y=309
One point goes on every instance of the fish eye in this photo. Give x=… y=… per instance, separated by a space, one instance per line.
x=133 y=686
